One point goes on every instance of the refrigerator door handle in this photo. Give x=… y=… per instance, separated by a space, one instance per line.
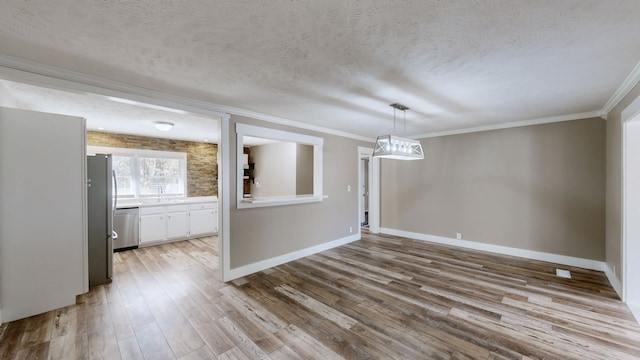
x=115 y=196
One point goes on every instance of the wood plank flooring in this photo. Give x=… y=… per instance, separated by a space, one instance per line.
x=379 y=298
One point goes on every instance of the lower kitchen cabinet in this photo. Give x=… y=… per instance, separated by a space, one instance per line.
x=177 y=222
x=153 y=225
x=203 y=219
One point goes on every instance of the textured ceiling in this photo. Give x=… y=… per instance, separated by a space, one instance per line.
x=339 y=64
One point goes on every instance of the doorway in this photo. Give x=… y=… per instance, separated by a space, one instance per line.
x=368 y=190
x=128 y=107
x=631 y=206
x=364 y=192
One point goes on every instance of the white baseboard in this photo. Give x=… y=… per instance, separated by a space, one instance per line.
x=279 y=260
x=504 y=250
x=613 y=280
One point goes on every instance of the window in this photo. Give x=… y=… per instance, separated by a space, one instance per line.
x=123 y=166
x=147 y=173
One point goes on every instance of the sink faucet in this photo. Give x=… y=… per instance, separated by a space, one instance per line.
x=160 y=192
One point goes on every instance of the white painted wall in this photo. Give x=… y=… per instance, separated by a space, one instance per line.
x=42 y=212
x=632 y=213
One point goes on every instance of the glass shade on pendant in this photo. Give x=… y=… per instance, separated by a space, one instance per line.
x=398 y=148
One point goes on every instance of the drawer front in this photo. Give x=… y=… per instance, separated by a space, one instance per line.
x=152 y=210
x=202 y=206
x=177 y=208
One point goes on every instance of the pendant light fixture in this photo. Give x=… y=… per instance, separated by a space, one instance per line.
x=395 y=147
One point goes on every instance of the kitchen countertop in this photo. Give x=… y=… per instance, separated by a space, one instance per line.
x=130 y=203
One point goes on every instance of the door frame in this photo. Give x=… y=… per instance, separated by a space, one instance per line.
x=630 y=235
x=50 y=77
x=374 y=188
x=364 y=180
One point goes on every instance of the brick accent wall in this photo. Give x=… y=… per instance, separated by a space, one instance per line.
x=202 y=158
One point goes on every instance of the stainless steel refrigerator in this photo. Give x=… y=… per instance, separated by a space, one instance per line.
x=101 y=205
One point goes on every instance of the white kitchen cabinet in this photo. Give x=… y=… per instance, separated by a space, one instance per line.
x=203 y=219
x=177 y=221
x=153 y=224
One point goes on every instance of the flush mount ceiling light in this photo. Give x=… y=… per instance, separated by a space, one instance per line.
x=163 y=125
x=396 y=147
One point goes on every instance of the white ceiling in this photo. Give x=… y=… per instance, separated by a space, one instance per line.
x=339 y=64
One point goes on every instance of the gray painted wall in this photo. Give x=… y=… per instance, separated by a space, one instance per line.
x=262 y=233
x=538 y=188
x=614 y=183
x=275 y=169
x=304 y=169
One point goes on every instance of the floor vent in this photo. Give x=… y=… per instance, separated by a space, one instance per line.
x=563 y=273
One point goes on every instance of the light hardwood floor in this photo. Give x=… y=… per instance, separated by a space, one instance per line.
x=382 y=297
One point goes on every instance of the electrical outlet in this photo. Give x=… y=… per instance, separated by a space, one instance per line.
x=459 y=236
x=349 y=188
x=350 y=229
x=614 y=270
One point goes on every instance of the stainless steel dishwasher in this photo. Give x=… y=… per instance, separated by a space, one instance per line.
x=126 y=224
